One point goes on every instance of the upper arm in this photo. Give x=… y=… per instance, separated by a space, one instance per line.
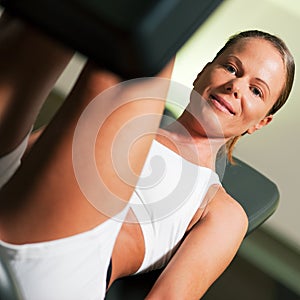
x=206 y=252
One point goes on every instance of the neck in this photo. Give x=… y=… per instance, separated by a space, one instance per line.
x=181 y=137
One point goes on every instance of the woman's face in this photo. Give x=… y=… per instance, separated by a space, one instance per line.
x=241 y=86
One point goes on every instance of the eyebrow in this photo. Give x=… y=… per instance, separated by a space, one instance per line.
x=256 y=78
x=263 y=82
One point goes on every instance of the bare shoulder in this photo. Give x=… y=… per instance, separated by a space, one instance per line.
x=224 y=207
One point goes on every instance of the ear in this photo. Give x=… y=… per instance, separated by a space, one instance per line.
x=199 y=75
x=265 y=121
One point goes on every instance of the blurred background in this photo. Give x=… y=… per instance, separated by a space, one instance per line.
x=267 y=266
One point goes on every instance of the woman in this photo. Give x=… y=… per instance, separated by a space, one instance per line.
x=53 y=236
x=247 y=82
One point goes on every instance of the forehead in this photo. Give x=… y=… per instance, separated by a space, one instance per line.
x=254 y=49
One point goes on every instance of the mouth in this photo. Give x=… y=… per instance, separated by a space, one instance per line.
x=222 y=105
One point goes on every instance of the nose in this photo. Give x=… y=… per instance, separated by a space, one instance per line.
x=233 y=87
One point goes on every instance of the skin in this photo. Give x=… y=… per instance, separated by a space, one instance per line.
x=41 y=62
x=208 y=248
x=248 y=77
x=249 y=88
x=24 y=200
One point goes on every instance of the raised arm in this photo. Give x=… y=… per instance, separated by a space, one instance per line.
x=205 y=253
x=108 y=130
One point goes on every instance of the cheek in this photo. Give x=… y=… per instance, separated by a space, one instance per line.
x=201 y=84
x=217 y=78
x=209 y=78
x=254 y=112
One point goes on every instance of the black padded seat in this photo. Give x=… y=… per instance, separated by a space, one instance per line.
x=256 y=193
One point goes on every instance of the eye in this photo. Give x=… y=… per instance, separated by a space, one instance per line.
x=230 y=68
x=257 y=92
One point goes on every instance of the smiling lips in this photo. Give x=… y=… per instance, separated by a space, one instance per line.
x=222 y=104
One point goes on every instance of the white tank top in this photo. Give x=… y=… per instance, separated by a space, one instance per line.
x=167 y=196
